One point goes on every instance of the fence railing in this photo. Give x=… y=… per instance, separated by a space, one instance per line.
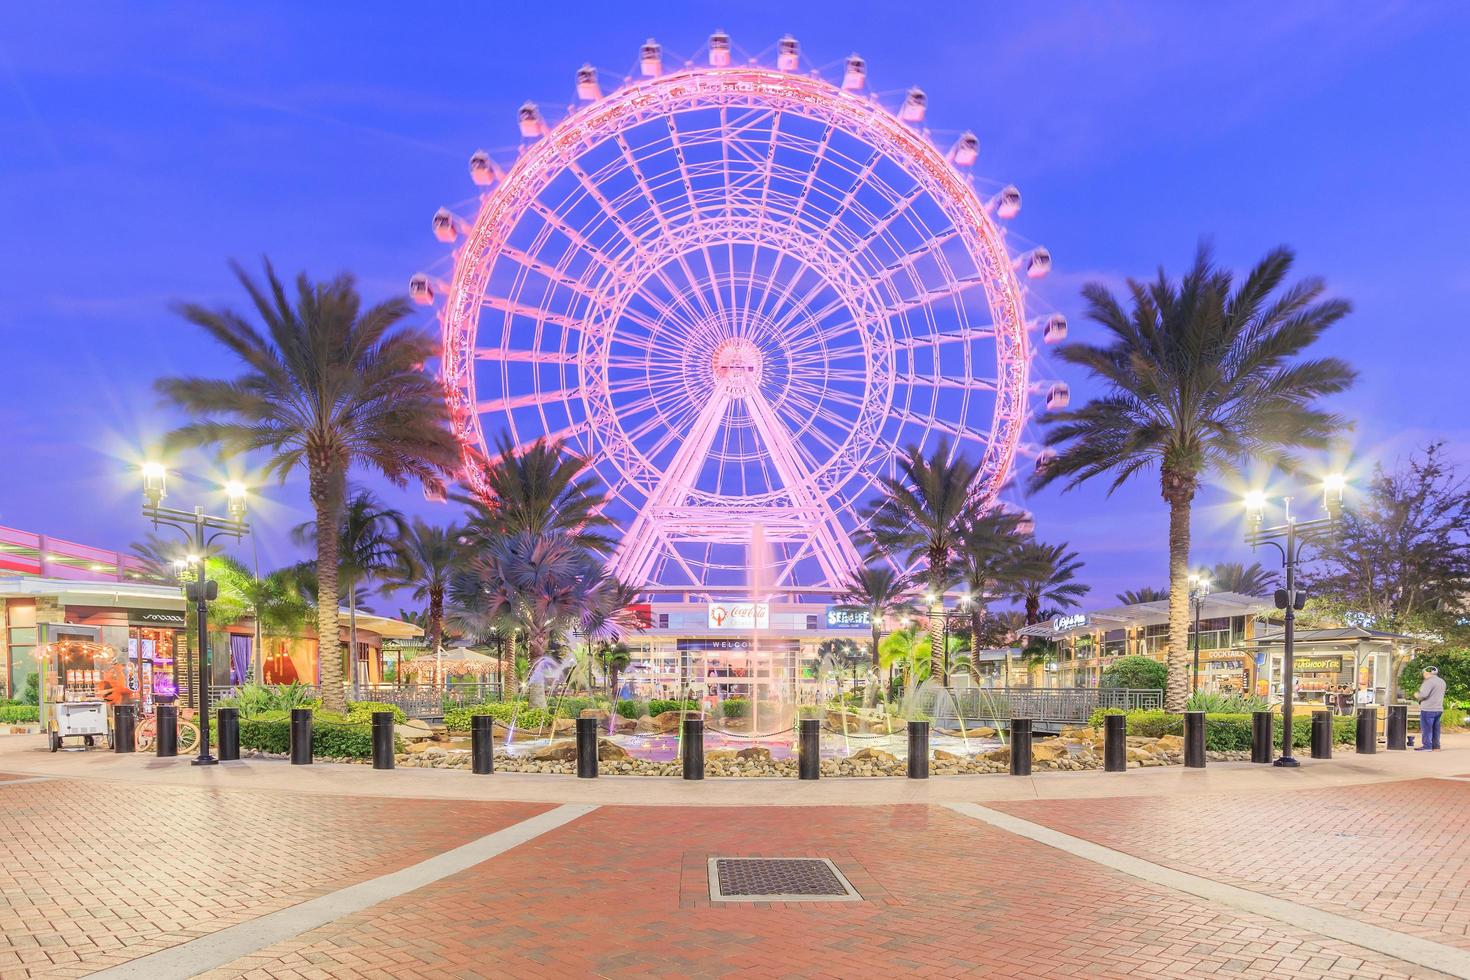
x=416 y=701
x=1043 y=706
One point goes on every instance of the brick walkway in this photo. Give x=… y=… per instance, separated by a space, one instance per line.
x=93 y=874
x=622 y=892
x=1394 y=854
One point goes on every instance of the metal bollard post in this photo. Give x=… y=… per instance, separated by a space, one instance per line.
x=586 y=748
x=300 y=736
x=1367 y=731
x=482 y=744
x=1321 y=734
x=1398 y=726
x=692 y=745
x=166 y=721
x=1194 y=739
x=1020 y=746
x=382 y=740
x=918 y=761
x=809 y=759
x=1115 y=743
x=124 y=731
x=1261 y=736
x=229 y=734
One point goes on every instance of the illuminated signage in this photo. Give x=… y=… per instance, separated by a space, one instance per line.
x=1318 y=664
x=1062 y=624
x=847 y=618
x=739 y=615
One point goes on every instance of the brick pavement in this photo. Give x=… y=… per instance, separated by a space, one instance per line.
x=93 y=874
x=622 y=892
x=1394 y=854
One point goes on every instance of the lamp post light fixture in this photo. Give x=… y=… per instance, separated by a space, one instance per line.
x=1289 y=537
x=200 y=530
x=1199 y=587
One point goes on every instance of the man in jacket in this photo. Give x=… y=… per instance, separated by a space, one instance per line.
x=1431 y=706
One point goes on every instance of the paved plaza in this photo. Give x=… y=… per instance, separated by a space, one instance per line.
x=129 y=866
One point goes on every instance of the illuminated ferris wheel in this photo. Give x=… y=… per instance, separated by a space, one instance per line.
x=737 y=291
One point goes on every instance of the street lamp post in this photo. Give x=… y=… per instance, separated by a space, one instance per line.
x=1199 y=587
x=201 y=530
x=1289 y=538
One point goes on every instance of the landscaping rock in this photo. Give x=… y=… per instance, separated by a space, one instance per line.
x=610 y=751
x=645 y=725
x=556 y=752
x=666 y=722
x=1049 y=751
x=871 y=754
x=756 y=752
x=597 y=713
x=942 y=756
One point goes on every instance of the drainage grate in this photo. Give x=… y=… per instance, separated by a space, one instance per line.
x=778 y=880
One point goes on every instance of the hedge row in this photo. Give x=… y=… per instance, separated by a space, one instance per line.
x=518 y=713
x=655 y=707
x=1227 y=732
x=19 y=714
x=332 y=735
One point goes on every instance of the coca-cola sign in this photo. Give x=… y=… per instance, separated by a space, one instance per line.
x=739 y=615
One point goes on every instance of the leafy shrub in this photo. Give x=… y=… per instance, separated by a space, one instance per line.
x=361 y=712
x=32 y=692
x=254 y=700
x=1228 y=732
x=735 y=707
x=1452 y=718
x=1226 y=704
x=1454 y=670
x=332 y=735
x=1139 y=673
x=517 y=713
x=628 y=708
x=19 y=714
x=659 y=705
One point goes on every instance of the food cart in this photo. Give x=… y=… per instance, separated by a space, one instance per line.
x=80 y=679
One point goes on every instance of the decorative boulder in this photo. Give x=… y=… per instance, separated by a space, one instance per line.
x=645 y=725
x=720 y=755
x=597 y=713
x=413 y=730
x=942 y=756
x=871 y=754
x=610 y=751
x=1047 y=751
x=755 y=752
x=668 y=721
x=556 y=752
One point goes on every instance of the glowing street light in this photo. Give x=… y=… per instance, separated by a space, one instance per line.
x=155 y=484
x=1199 y=587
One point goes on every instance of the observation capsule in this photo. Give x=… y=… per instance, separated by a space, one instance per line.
x=788 y=53
x=966 y=149
x=651 y=59
x=855 y=75
x=482 y=171
x=1055 y=330
x=915 y=104
x=420 y=290
x=587 y=88
x=532 y=125
x=444 y=227
x=719 y=49
x=1058 y=397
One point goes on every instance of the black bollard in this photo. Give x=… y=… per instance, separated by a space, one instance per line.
x=229 y=734
x=691 y=746
x=918 y=762
x=382 y=739
x=166 y=721
x=1321 y=734
x=300 y=736
x=586 y=748
x=1020 y=746
x=1115 y=743
x=1398 y=726
x=1367 y=731
x=124 y=732
x=482 y=744
x=809 y=759
x=1194 y=739
x=1261 y=748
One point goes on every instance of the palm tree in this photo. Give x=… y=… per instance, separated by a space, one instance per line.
x=1233 y=576
x=327 y=386
x=539 y=489
x=880 y=592
x=1199 y=375
x=1050 y=576
x=991 y=562
x=1136 y=597
x=272 y=601
x=615 y=658
x=427 y=558
x=920 y=516
x=368 y=538
x=901 y=649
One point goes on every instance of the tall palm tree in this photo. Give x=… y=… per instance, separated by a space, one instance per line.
x=272 y=601
x=1050 y=576
x=1198 y=375
x=880 y=592
x=1233 y=576
x=327 y=386
x=1138 y=596
x=539 y=489
x=368 y=537
x=920 y=515
x=427 y=558
x=615 y=658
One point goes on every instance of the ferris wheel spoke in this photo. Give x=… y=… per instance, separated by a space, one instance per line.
x=563 y=435
x=505 y=355
x=507 y=403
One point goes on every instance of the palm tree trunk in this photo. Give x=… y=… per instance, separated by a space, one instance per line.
x=436 y=616
x=326 y=499
x=352 y=639
x=1179 y=492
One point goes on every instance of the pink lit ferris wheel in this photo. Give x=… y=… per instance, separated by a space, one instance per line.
x=737 y=291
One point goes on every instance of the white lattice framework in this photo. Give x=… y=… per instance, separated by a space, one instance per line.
x=738 y=293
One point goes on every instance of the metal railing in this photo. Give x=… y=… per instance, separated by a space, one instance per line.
x=1044 y=706
x=416 y=701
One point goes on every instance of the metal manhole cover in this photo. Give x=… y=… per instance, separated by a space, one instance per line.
x=778 y=880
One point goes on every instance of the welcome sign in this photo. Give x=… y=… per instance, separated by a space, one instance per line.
x=739 y=615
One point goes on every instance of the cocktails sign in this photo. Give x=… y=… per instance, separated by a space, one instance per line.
x=739 y=615
x=1061 y=624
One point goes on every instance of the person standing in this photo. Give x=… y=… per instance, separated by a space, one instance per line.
x=1431 y=706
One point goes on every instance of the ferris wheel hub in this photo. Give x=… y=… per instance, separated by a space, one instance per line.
x=737 y=364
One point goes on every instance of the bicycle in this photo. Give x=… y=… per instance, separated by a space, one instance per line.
x=146 y=733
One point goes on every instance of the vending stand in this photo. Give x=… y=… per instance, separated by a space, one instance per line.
x=80 y=679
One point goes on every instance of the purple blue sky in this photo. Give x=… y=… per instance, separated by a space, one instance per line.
x=142 y=146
